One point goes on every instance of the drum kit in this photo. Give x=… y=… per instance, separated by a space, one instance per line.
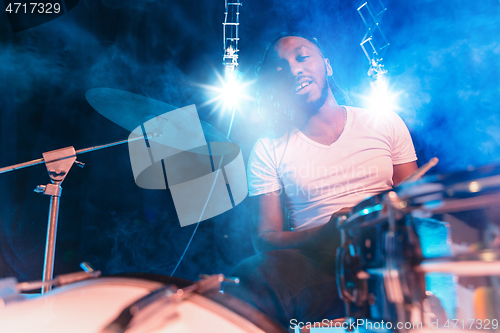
x=394 y=245
x=399 y=244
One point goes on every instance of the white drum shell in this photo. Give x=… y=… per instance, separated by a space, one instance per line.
x=89 y=306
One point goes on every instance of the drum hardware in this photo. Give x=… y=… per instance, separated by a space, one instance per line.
x=361 y=216
x=397 y=276
x=391 y=274
x=60 y=280
x=58 y=163
x=86 y=267
x=483 y=263
x=229 y=279
x=346 y=259
x=441 y=206
x=10 y=289
x=144 y=308
x=384 y=233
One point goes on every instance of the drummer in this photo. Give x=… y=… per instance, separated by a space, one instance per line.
x=320 y=158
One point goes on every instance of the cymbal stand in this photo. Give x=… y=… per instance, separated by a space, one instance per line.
x=58 y=163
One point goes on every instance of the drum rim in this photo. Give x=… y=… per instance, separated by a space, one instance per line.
x=152 y=281
x=115 y=280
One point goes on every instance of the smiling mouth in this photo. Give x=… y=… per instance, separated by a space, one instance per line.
x=302 y=86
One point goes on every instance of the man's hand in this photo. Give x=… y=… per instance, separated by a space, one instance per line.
x=335 y=216
x=331 y=239
x=343 y=211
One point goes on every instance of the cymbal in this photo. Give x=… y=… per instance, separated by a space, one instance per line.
x=130 y=110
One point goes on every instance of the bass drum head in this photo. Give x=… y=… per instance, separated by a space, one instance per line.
x=91 y=305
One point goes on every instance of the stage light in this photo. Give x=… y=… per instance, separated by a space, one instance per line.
x=381 y=98
x=230 y=90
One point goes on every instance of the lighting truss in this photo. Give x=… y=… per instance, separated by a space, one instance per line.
x=374 y=42
x=230 y=33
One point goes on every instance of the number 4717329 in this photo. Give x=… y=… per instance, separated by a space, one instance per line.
x=478 y=324
x=33 y=7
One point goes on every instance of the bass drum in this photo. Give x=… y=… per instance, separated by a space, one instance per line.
x=91 y=305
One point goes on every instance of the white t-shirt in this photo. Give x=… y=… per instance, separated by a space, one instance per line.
x=319 y=180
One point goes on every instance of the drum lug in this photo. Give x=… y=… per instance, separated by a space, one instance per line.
x=8 y=291
x=209 y=283
x=60 y=280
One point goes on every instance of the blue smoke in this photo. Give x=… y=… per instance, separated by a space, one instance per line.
x=444 y=56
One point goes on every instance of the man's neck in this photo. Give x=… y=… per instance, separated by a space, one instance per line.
x=324 y=123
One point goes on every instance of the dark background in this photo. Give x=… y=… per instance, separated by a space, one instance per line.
x=443 y=59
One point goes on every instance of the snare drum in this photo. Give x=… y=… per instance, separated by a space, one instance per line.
x=91 y=305
x=407 y=254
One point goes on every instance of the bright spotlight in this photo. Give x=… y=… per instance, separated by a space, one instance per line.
x=231 y=92
x=381 y=99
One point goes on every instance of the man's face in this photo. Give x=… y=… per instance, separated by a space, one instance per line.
x=301 y=70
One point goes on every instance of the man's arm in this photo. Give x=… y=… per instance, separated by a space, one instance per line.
x=402 y=171
x=268 y=232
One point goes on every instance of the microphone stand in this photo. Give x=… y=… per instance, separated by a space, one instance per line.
x=58 y=163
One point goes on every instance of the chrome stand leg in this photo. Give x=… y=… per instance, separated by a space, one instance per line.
x=50 y=246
